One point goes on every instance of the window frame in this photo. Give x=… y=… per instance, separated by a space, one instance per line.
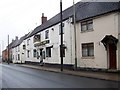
x=48 y=52
x=63 y=25
x=47 y=34
x=18 y=57
x=88 y=47
x=28 y=53
x=64 y=51
x=34 y=53
x=86 y=24
x=38 y=38
x=28 y=42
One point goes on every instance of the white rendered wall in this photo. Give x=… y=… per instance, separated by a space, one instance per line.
x=102 y=26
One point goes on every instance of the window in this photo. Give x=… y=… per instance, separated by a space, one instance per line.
x=28 y=41
x=47 y=34
x=18 y=48
x=87 y=50
x=13 y=57
x=37 y=38
x=87 y=25
x=48 y=52
x=41 y=52
x=34 y=53
x=18 y=56
x=24 y=46
x=60 y=29
x=64 y=47
x=28 y=53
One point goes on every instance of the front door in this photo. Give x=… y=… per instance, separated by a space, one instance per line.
x=41 y=56
x=112 y=56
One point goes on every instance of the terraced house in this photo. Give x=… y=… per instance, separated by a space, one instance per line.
x=18 y=54
x=97 y=34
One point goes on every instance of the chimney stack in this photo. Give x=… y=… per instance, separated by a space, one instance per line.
x=12 y=40
x=16 y=38
x=43 y=18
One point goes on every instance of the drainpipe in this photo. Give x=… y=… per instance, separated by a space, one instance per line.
x=74 y=17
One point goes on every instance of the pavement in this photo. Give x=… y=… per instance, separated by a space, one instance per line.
x=89 y=74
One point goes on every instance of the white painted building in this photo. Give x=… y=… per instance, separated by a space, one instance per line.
x=97 y=33
x=18 y=54
x=98 y=37
x=91 y=52
x=47 y=46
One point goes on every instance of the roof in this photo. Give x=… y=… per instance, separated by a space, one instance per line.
x=93 y=9
x=54 y=20
x=10 y=45
x=18 y=42
x=84 y=10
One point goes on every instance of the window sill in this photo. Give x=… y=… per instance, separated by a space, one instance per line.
x=89 y=57
x=87 y=31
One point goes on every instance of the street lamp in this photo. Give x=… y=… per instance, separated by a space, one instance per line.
x=61 y=27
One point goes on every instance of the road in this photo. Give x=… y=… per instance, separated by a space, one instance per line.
x=14 y=76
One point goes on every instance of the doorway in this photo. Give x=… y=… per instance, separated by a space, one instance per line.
x=112 y=56
x=110 y=43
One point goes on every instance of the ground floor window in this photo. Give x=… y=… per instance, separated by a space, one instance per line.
x=18 y=56
x=28 y=53
x=13 y=57
x=48 y=52
x=34 y=53
x=87 y=49
x=63 y=50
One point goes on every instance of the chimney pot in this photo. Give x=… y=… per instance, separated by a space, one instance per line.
x=42 y=14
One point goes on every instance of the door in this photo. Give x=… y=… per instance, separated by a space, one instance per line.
x=41 y=56
x=112 y=56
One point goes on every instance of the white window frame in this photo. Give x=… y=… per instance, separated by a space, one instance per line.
x=88 y=50
x=85 y=25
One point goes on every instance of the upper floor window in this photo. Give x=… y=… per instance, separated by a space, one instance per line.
x=87 y=25
x=47 y=34
x=24 y=46
x=16 y=49
x=28 y=41
x=62 y=29
x=88 y=50
x=37 y=38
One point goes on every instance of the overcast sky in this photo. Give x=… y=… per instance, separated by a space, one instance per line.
x=18 y=17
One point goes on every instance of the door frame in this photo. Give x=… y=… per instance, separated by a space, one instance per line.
x=109 y=57
x=107 y=40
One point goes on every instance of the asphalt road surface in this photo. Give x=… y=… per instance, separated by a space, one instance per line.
x=14 y=76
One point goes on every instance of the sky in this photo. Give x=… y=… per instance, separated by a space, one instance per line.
x=18 y=17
